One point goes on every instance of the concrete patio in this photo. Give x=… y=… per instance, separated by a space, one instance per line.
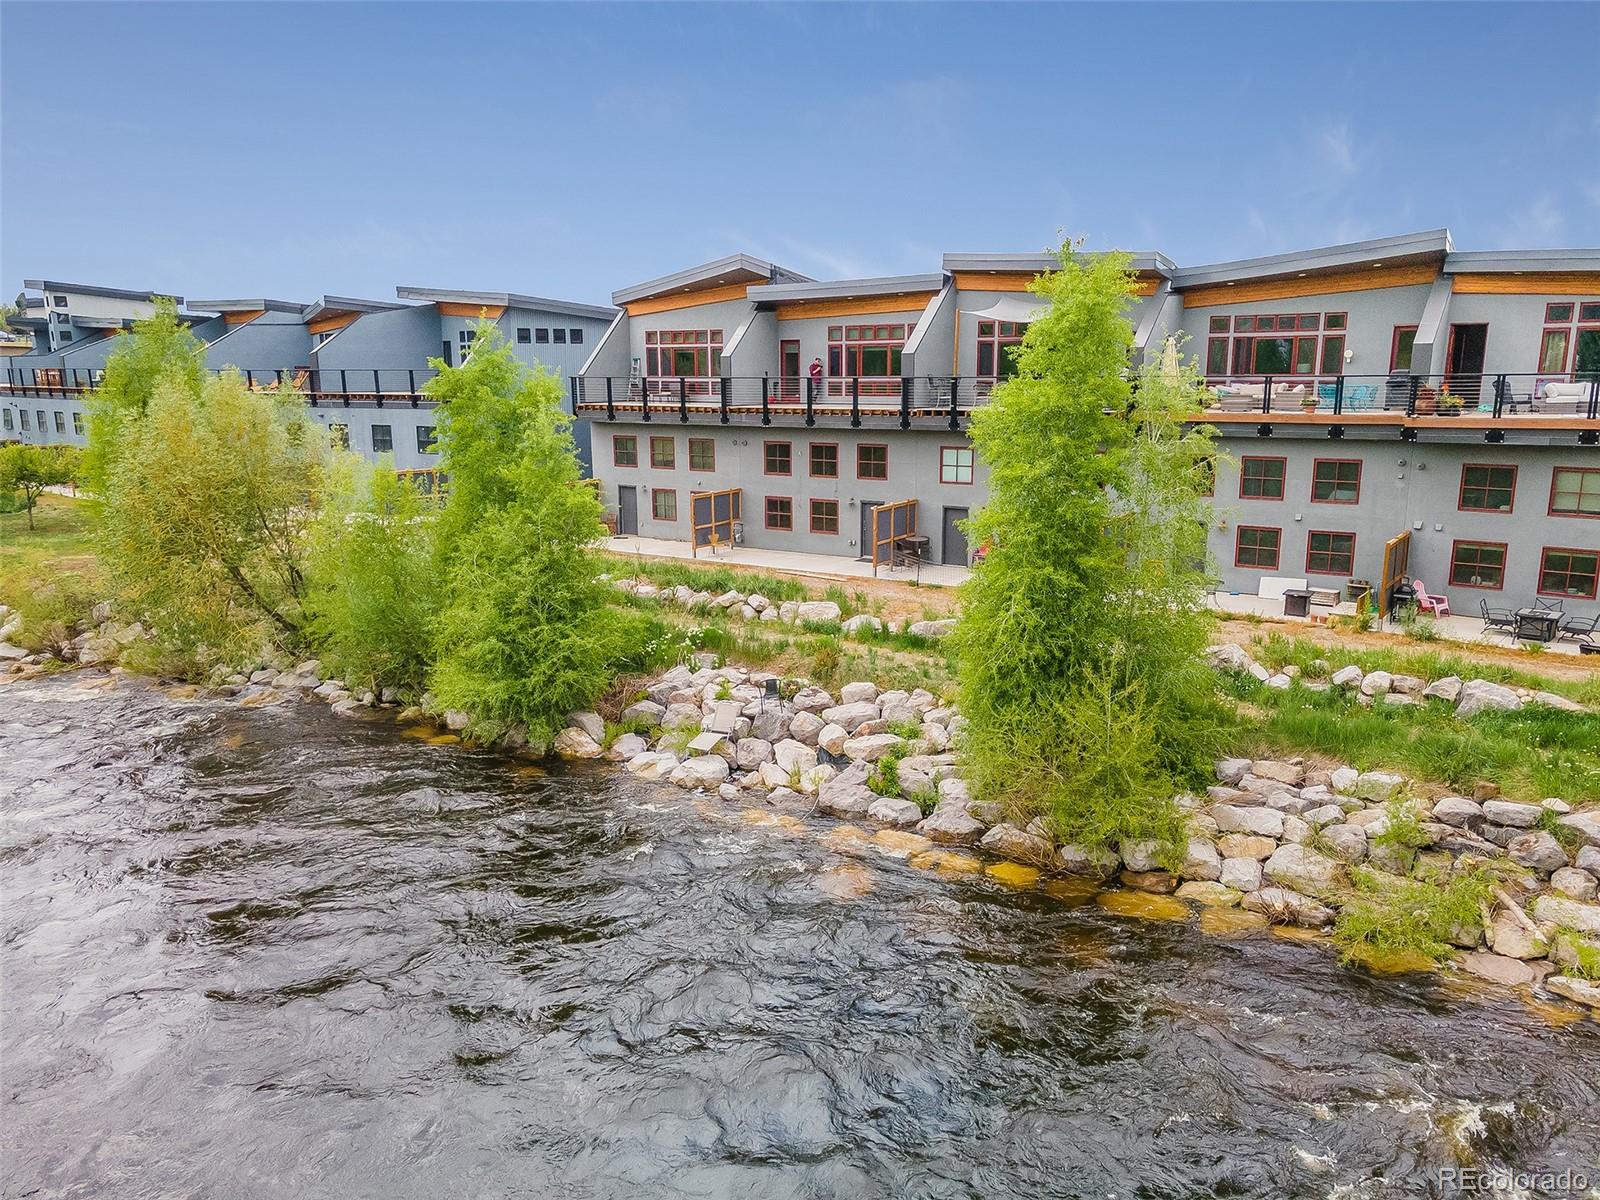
x=790 y=562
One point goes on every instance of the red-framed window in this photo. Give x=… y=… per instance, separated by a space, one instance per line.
x=997 y=343
x=1478 y=565
x=1570 y=342
x=1277 y=344
x=780 y=512
x=1261 y=477
x=824 y=516
x=702 y=454
x=683 y=353
x=663 y=453
x=1401 y=347
x=1257 y=547
x=624 y=450
x=1569 y=572
x=1487 y=487
x=868 y=351
x=1330 y=552
x=1207 y=467
x=872 y=461
x=1575 y=492
x=1553 y=351
x=777 y=458
x=955 y=464
x=825 y=460
x=664 y=504
x=1336 y=480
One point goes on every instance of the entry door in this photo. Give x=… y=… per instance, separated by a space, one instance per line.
x=953 y=545
x=789 y=371
x=1467 y=345
x=627 y=509
x=865 y=544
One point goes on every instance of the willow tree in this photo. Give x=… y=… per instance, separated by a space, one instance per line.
x=525 y=633
x=1080 y=640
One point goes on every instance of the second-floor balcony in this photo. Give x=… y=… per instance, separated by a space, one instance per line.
x=1481 y=396
x=341 y=386
x=875 y=401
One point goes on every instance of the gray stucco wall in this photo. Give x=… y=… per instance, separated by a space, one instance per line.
x=403 y=338
x=1404 y=485
x=1516 y=327
x=273 y=341
x=913 y=473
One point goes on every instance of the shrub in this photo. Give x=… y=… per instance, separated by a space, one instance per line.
x=1409 y=916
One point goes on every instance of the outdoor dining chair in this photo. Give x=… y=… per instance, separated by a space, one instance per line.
x=1501 y=619
x=1580 y=629
x=1437 y=605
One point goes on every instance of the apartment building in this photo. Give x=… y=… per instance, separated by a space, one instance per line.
x=1387 y=409
x=362 y=364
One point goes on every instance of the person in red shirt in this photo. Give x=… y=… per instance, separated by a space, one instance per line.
x=816 y=376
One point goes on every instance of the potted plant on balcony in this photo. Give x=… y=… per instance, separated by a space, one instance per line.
x=1447 y=403
x=1427 y=399
x=1308 y=402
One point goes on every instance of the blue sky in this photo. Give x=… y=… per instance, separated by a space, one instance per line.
x=289 y=150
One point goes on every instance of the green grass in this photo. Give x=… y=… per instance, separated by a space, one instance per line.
x=1275 y=651
x=1531 y=753
x=49 y=573
x=716 y=580
x=1394 y=917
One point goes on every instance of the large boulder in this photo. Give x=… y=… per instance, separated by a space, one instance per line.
x=1232 y=819
x=1088 y=861
x=1538 y=851
x=891 y=810
x=1509 y=812
x=749 y=753
x=872 y=747
x=794 y=756
x=860 y=622
x=1347 y=843
x=1347 y=677
x=1377 y=786
x=573 y=742
x=1288 y=906
x=1246 y=845
x=1201 y=861
x=1447 y=689
x=1376 y=683
x=851 y=716
x=1569 y=987
x=1241 y=874
x=1007 y=840
x=644 y=712
x=590 y=722
x=1281 y=772
x=811 y=699
x=806 y=727
x=952 y=823
x=1587 y=825
x=1573 y=884
x=626 y=747
x=820 y=611
x=706 y=771
x=847 y=793
x=1479 y=695
x=1303 y=870
x=1553 y=910
x=855 y=693
x=931 y=629
x=1456 y=811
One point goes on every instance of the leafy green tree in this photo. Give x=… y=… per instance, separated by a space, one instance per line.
x=158 y=350
x=32 y=469
x=204 y=508
x=526 y=633
x=1079 y=646
x=370 y=574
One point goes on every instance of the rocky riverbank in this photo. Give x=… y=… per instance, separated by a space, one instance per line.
x=1281 y=841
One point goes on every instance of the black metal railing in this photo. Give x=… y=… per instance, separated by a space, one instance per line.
x=338 y=385
x=908 y=402
x=1413 y=395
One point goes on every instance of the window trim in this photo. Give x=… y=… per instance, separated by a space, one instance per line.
x=1505 y=559
x=1546 y=551
x=1311 y=533
x=372 y=435
x=1394 y=347
x=667 y=439
x=811 y=462
x=766 y=514
x=617 y=438
x=1238 y=530
x=1283 y=480
x=433 y=439
x=884 y=446
x=524 y=335
x=1550 y=507
x=766 y=460
x=812 y=513
x=703 y=441
x=541 y=335
x=972 y=465
x=1360 y=471
x=655 y=494
x=1461 y=490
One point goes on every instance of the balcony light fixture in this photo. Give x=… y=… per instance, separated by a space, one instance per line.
x=1377 y=264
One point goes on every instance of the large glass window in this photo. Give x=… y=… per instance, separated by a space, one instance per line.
x=1571 y=328
x=1405 y=340
x=1569 y=573
x=672 y=354
x=1257 y=548
x=1336 y=480
x=1261 y=478
x=1575 y=492
x=997 y=345
x=868 y=351
x=1277 y=344
x=1488 y=487
x=1478 y=564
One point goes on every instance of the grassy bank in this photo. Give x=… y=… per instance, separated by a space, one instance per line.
x=49 y=573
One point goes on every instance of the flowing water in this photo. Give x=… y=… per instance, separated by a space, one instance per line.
x=261 y=952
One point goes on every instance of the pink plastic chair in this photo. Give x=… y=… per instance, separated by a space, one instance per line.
x=1437 y=605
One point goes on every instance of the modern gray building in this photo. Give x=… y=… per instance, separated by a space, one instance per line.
x=1390 y=409
x=362 y=364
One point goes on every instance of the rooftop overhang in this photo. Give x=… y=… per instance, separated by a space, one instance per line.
x=340 y=306
x=464 y=300
x=112 y=323
x=87 y=289
x=848 y=289
x=1518 y=262
x=222 y=307
x=724 y=273
x=1352 y=258
x=1145 y=262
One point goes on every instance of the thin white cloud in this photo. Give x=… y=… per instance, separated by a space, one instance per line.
x=1538 y=223
x=1336 y=145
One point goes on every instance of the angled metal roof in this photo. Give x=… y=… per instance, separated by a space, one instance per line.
x=1433 y=243
x=506 y=300
x=88 y=289
x=1514 y=261
x=1036 y=262
x=883 y=285
x=736 y=268
x=228 y=306
x=347 y=304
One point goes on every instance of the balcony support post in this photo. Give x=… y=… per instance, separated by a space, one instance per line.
x=766 y=412
x=611 y=401
x=811 y=402
x=955 y=403
x=683 y=400
x=724 y=395
x=1338 y=395
x=855 y=402
x=905 y=402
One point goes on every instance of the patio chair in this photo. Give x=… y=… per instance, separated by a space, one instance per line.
x=1437 y=605
x=1579 y=629
x=1502 y=620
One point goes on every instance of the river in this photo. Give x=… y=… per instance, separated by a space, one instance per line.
x=263 y=952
